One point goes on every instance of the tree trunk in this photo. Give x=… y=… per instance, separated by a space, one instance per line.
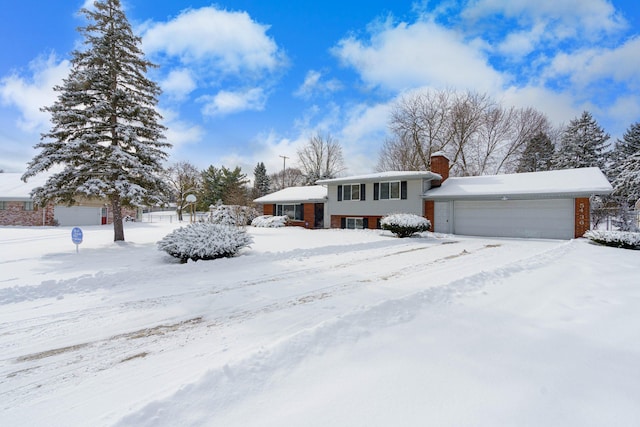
x=118 y=227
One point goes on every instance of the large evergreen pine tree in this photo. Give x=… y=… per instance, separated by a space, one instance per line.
x=583 y=144
x=625 y=170
x=106 y=132
x=261 y=181
x=537 y=155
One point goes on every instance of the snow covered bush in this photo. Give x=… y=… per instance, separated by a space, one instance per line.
x=617 y=239
x=202 y=240
x=405 y=225
x=269 y=221
x=233 y=215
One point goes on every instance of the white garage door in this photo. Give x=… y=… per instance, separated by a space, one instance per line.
x=77 y=215
x=549 y=219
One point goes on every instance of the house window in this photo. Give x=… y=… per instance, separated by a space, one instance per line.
x=354 y=223
x=27 y=206
x=293 y=211
x=3 y=205
x=391 y=190
x=351 y=192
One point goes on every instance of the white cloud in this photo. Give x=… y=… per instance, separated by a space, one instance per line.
x=228 y=41
x=624 y=111
x=585 y=67
x=403 y=56
x=29 y=94
x=588 y=18
x=559 y=107
x=314 y=84
x=180 y=132
x=363 y=134
x=178 y=84
x=522 y=43
x=229 y=102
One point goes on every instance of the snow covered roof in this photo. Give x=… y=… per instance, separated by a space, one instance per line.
x=581 y=182
x=13 y=188
x=382 y=176
x=313 y=193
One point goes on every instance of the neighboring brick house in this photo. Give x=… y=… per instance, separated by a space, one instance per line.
x=17 y=207
x=305 y=206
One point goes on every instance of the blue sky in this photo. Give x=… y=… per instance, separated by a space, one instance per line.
x=247 y=81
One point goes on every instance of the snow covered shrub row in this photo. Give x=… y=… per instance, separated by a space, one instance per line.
x=269 y=221
x=618 y=239
x=405 y=225
x=203 y=240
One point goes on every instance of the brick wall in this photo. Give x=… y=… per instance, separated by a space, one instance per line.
x=439 y=165
x=372 y=221
x=14 y=214
x=582 y=216
x=429 y=212
x=267 y=209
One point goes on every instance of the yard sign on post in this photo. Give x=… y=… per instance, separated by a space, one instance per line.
x=76 y=236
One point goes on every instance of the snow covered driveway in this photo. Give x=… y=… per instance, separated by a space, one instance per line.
x=316 y=328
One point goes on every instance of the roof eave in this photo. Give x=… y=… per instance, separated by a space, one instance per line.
x=517 y=196
x=364 y=178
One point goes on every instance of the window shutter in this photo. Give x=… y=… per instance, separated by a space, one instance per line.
x=376 y=190
x=363 y=188
x=340 y=193
x=301 y=212
x=343 y=222
x=365 y=223
x=403 y=190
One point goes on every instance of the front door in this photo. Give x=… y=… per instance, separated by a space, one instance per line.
x=442 y=216
x=319 y=215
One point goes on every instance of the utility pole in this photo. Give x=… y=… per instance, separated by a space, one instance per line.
x=284 y=164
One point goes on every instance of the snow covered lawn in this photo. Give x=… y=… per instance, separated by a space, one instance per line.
x=317 y=328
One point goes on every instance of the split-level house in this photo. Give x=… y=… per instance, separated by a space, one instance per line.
x=549 y=204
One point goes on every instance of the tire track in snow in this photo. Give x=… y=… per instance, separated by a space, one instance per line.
x=100 y=355
x=221 y=389
x=95 y=356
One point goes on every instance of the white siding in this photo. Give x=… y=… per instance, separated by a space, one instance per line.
x=369 y=207
x=545 y=218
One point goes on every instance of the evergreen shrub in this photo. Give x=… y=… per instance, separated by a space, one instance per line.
x=405 y=225
x=202 y=240
x=617 y=239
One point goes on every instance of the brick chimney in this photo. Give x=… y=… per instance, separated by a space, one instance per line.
x=439 y=165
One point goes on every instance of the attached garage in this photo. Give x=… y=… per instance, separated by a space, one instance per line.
x=77 y=215
x=544 y=218
x=548 y=205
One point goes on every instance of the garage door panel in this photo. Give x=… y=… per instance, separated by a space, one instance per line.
x=549 y=218
x=77 y=215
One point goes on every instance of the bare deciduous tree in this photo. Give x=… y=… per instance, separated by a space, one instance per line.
x=290 y=177
x=321 y=158
x=183 y=179
x=477 y=134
